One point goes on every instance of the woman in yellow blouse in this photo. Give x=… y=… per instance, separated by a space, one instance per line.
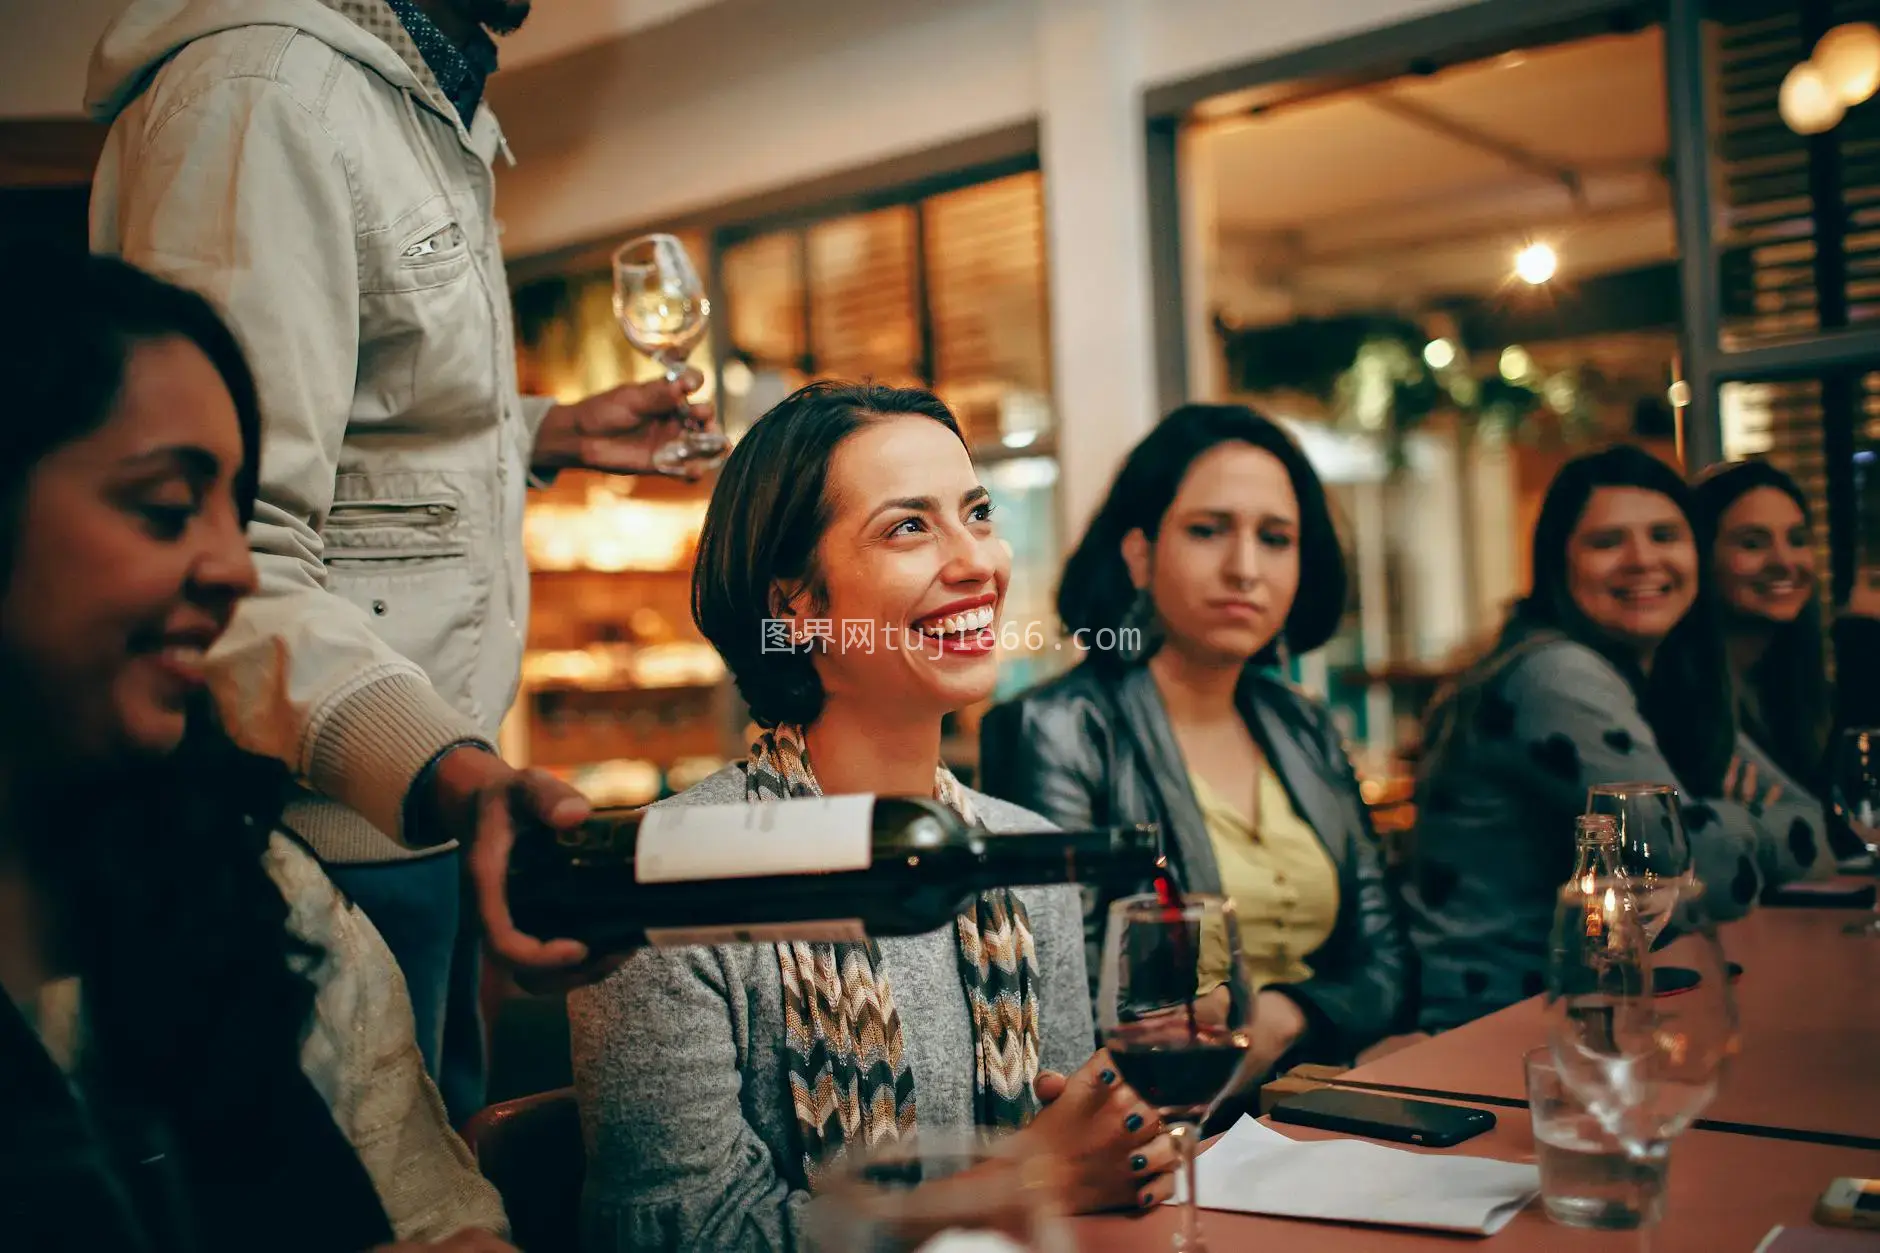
x=1213 y=556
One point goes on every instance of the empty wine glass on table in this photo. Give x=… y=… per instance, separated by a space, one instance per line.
x=1643 y=1065
x=661 y=306
x=1175 y=1013
x=1856 y=794
x=1653 y=851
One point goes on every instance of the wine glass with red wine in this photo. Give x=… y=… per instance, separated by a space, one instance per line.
x=1175 y=1012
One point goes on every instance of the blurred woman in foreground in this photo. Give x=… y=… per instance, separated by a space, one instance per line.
x=203 y=1049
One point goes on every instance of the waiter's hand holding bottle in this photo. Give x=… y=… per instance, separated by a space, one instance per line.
x=480 y=800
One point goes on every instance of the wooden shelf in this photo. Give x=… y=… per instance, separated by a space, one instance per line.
x=684 y=572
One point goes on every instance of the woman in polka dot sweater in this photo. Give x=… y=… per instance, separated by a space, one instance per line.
x=1611 y=670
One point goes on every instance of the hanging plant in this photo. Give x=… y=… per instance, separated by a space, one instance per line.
x=1369 y=370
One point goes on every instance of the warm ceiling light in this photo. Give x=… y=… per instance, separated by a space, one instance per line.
x=1515 y=363
x=1807 y=103
x=1848 y=57
x=1535 y=264
x=1439 y=354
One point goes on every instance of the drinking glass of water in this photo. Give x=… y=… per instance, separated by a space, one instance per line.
x=1587 y=1178
x=1856 y=796
x=1175 y=1012
x=1644 y=1064
x=661 y=306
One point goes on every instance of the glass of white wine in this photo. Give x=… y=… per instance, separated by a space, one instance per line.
x=662 y=307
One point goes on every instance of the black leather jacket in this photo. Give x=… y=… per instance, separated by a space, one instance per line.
x=1094 y=748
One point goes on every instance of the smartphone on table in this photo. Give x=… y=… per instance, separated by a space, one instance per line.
x=1850 y=1203
x=1380 y=1117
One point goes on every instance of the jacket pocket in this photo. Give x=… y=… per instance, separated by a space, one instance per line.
x=428 y=602
x=438 y=252
x=381 y=534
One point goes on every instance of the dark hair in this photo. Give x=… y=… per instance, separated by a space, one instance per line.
x=1791 y=712
x=1096 y=593
x=66 y=335
x=767 y=514
x=153 y=870
x=1686 y=697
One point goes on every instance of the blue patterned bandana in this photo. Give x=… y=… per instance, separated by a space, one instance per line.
x=460 y=72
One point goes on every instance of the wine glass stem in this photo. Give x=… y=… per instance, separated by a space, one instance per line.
x=1188 y=1238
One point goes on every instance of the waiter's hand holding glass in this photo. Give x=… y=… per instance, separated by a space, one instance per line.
x=662 y=307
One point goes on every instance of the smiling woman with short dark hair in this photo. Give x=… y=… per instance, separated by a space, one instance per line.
x=849 y=573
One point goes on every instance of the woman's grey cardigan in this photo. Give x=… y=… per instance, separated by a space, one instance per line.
x=680 y=1066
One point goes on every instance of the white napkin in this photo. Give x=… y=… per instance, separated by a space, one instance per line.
x=1254 y=1169
x=955 y=1240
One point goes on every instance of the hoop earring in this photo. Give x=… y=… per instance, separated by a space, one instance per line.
x=1139 y=633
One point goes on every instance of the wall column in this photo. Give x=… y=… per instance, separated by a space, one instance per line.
x=1096 y=221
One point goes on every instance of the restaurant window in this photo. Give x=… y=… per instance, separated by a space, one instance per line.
x=1468 y=278
x=1797 y=251
x=945 y=290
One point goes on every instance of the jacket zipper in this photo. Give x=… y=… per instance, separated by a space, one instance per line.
x=380 y=513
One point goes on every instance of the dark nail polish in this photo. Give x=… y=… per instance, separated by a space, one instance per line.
x=1147 y=1200
x=1106 y=1077
x=1139 y=1162
x=1133 y=1123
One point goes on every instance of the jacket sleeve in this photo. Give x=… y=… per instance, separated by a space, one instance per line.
x=673 y=1164
x=1573 y=722
x=1358 y=996
x=1052 y=770
x=534 y=413
x=1051 y=766
x=242 y=194
x=1795 y=818
x=361 y=1055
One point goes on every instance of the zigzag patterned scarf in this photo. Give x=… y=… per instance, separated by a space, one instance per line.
x=849 y=1077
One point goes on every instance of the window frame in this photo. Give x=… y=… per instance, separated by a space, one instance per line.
x=912 y=195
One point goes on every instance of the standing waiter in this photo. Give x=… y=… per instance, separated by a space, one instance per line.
x=321 y=170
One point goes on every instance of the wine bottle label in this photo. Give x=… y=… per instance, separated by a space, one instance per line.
x=807 y=932
x=815 y=835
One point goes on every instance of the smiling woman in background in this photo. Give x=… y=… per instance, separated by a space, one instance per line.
x=1212 y=557
x=1611 y=670
x=714 y=1081
x=1760 y=539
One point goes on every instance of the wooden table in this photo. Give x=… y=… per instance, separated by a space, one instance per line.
x=1809 y=1002
x=1726 y=1192
x=1800 y=1107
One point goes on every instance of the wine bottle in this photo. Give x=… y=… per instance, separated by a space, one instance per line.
x=817 y=868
